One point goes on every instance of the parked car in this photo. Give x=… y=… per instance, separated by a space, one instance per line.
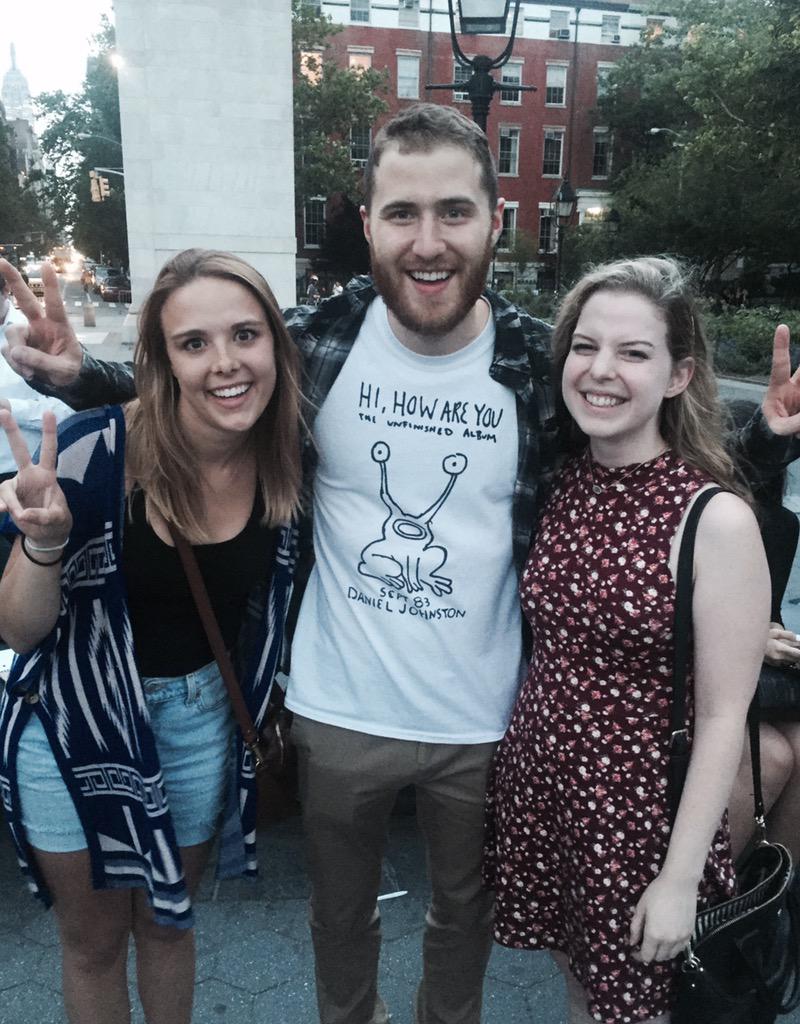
x=116 y=288
x=33 y=271
x=101 y=273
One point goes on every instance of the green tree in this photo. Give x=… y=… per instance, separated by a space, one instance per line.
x=81 y=133
x=719 y=184
x=22 y=216
x=329 y=102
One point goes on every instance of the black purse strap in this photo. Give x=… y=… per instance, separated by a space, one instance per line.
x=683 y=632
x=217 y=644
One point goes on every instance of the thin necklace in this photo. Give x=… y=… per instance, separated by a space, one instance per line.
x=598 y=488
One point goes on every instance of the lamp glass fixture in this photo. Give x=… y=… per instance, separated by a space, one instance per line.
x=483 y=17
x=566 y=199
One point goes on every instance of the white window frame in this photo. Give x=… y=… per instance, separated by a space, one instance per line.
x=605 y=67
x=360 y=161
x=605 y=135
x=360 y=52
x=507 y=94
x=359 y=7
x=512 y=132
x=562 y=66
x=306 y=243
x=610 y=29
x=466 y=74
x=547 y=210
x=558 y=18
x=561 y=132
x=408 y=55
x=408 y=13
x=511 y=231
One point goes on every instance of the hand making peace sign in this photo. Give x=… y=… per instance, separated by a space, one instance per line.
x=33 y=497
x=46 y=347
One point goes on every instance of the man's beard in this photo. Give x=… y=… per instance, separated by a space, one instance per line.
x=390 y=284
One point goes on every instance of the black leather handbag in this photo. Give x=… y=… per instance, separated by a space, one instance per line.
x=779 y=692
x=741 y=965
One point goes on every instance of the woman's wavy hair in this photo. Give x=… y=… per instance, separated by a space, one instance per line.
x=691 y=422
x=159 y=459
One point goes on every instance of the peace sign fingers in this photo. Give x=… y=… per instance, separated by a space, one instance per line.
x=48 y=453
x=33 y=497
x=26 y=300
x=53 y=303
x=16 y=442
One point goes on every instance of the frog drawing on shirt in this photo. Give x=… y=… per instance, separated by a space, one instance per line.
x=405 y=558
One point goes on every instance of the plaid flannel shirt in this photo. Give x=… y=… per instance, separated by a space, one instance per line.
x=325 y=335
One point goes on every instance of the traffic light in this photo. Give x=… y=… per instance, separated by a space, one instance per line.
x=95 y=187
x=105 y=192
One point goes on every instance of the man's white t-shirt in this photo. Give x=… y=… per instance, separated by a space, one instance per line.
x=410 y=624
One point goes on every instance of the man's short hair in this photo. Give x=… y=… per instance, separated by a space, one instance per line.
x=424 y=127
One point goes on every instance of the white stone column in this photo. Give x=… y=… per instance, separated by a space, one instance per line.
x=205 y=90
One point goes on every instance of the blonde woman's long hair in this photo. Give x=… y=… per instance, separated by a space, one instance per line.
x=690 y=422
x=158 y=458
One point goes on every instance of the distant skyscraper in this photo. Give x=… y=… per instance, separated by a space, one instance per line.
x=15 y=94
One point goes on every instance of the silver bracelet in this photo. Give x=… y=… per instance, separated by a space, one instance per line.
x=45 y=550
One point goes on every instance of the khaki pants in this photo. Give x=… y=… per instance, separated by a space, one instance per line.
x=348 y=784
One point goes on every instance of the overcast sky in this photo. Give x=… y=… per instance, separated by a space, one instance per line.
x=52 y=40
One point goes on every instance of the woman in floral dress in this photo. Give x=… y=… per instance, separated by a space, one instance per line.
x=579 y=846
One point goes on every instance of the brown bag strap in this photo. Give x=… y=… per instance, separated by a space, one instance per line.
x=212 y=630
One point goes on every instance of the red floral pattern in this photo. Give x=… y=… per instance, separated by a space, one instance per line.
x=577 y=823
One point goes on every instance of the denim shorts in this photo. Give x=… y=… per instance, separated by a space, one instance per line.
x=193 y=728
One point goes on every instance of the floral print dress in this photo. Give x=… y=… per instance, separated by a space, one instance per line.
x=577 y=821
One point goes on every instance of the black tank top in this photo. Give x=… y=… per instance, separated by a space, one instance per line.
x=168 y=637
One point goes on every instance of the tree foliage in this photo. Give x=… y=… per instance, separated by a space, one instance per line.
x=328 y=102
x=22 y=217
x=81 y=133
x=720 y=183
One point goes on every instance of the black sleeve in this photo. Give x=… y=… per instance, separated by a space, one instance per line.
x=760 y=454
x=98 y=383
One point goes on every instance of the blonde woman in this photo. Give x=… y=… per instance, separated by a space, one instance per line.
x=119 y=754
x=580 y=850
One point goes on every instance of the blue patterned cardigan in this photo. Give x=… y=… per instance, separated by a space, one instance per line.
x=83 y=683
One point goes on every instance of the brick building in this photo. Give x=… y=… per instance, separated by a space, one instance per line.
x=539 y=139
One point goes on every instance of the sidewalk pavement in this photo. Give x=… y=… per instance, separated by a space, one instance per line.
x=254 y=963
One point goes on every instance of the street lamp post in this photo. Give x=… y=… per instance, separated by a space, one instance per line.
x=482 y=17
x=677 y=144
x=94 y=135
x=564 y=202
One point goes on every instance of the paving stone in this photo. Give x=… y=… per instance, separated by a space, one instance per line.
x=217 y=1002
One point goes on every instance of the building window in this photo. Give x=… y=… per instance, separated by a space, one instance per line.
x=509 y=233
x=653 y=29
x=555 y=94
x=547 y=235
x=601 y=153
x=559 y=24
x=553 y=146
x=359 y=10
x=460 y=74
x=314 y=222
x=359 y=60
x=311 y=65
x=315 y=5
x=609 y=32
x=360 y=142
x=408 y=76
x=603 y=71
x=508 y=162
x=408 y=14
x=511 y=74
